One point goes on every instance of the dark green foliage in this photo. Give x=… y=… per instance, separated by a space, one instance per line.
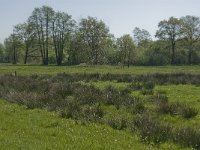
x=188 y=137
x=136 y=86
x=118 y=124
x=71 y=109
x=188 y=112
x=92 y=113
x=147 y=92
x=177 y=108
x=112 y=96
x=151 y=130
x=137 y=81
x=139 y=108
x=149 y=85
x=162 y=103
x=87 y=95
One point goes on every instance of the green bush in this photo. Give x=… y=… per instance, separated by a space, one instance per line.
x=149 y=85
x=187 y=137
x=139 y=108
x=136 y=86
x=151 y=130
x=146 y=92
x=188 y=112
x=118 y=124
x=92 y=113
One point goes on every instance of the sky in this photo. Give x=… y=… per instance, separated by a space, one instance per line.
x=121 y=16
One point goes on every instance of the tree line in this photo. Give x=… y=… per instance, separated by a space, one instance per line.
x=51 y=37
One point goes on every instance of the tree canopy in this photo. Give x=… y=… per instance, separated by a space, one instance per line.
x=54 y=37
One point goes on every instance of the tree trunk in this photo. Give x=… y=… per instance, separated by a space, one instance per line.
x=128 y=63
x=173 y=53
x=47 y=38
x=26 y=55
x=96 y=58
x=14 y=55
x=189 y=57
x=42 y=45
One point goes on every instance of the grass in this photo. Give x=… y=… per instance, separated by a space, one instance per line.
x=38 y=129
x=184 y=93
x=22 y=128
x=188 y=94
x=103 y=84
x=33 y=69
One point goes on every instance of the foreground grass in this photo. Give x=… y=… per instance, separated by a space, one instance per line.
x=187 y=94
x=28 y=69
x=37 y=129
x=22 y=128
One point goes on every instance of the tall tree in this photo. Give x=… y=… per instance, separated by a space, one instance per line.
x=126 y=48
x=62 y=27
x=191 y=33
x=141 y=36
x=95 y=34
x=12 y=48
x=41 y=19
x=2 y=53
x=170 y=30
x=78 y=50
x=25 y=33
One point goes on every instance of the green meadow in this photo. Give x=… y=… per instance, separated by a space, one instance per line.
x=41 y=123
x=35 y=69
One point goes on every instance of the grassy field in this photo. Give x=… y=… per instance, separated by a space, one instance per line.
x=38 y=129
x=21 y=128
x=24 y=128
x=187 y=94
x=28 y=69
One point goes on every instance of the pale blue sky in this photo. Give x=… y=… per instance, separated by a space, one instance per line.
x=121 y=16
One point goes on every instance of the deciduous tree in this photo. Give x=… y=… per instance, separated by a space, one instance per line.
x=26 y=35
x=170 y=30
x=94 y=33
x=126 y=48
x=62 y=28
x=41 y=19
x=191 y=34
x=141 y=36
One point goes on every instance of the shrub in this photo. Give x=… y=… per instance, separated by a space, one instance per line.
x=149 y=85
x=87 y=94
x=147 y=91
x=92 y=113
x=139 y=108
x=188 y=112
x=136 y=86
x=112 y=96
x=185 y=111
x=162 y=104
x=151 y=130
x=72 y=109
x=188 y=137
x=118 y=124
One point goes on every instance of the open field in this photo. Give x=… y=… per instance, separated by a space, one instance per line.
x=91 y=110
x=33 y=69
x=21 y=128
